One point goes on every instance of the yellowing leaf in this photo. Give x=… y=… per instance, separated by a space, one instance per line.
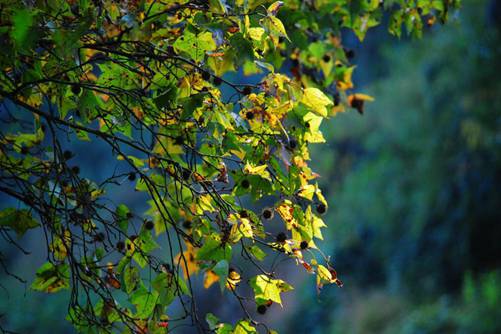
x=205 y=204
x=274 y=7
x=257 y=170
x=233 y=279
x=267 y=289
x=357 y=101
x=345 y=82
x=256 y=33
x=316 y=100
x=324 y=274
x=286 y=211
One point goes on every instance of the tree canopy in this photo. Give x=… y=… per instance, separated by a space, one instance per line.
x=223 y=161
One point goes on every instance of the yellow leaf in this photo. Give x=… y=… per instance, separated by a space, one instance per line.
x=313 y=135
x=324 y=274
x=316 y=100
x=210 y=278
x=187 y=261
x=307 y=191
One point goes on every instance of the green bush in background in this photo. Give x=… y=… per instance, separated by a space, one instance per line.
x=415 y=190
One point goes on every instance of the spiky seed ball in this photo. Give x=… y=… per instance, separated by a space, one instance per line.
x=99 y=237
x=76 y=89
x=303 y=244
x=267 y=213
x=132 y=176
x=217 y=81
x=149 y=225
x=321 y=208
x=206 y=75
x=187 y=224
x=281 y=237
x=120 y=245
x=349 y=53
x=261 y=309
x=245 y=184
x=67 y=155
x=186 y=174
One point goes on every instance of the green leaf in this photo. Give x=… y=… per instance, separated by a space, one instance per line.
x=165 y=285
x=18 y=220
x=131 y=278
x=214 y=250
x=195 y=45
x=122 y=212
x=167 y=98
x=51 y=278
x=145 y=302
x=258 y=253
x=22 y=21
x=221 y=269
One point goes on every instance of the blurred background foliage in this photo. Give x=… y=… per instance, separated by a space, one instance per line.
x=414 y=188
x=414 y=193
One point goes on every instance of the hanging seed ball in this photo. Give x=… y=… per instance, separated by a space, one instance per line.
x=326 y=58
x=206 y=75
x=129 y=215
x=337 y=99
x=321 y=208
x=247 y=90
x=349 y=53
x=267 y=213
x=261 y=309
x=132 y=176
x=292 y=143
x=245 y=184
x=187 y=224
x=76 y=89
x=303 y=244
x=281 y=237
x=186 y=174
x=243 y=214
x=120 y=245
x=249 y=115
x=149 y=225
x=217 y=81
x=99 y=237
x=67 y=155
